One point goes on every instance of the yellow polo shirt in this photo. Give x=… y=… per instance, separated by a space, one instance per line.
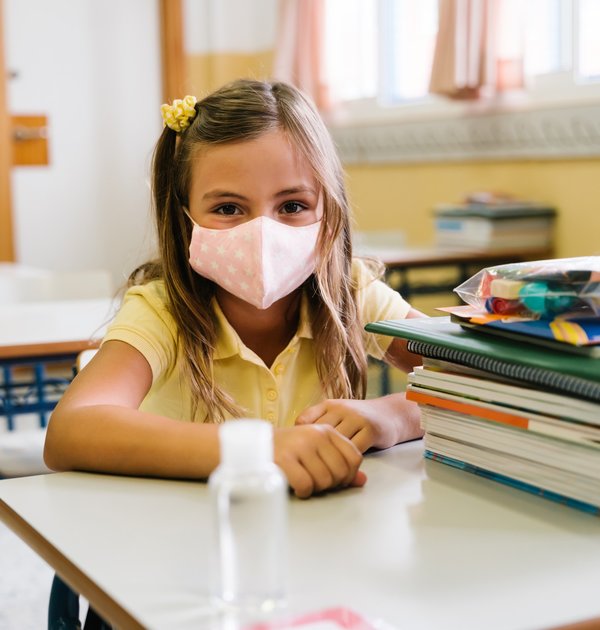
x=278 y=393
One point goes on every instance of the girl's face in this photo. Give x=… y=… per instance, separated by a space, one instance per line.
x=238 y=182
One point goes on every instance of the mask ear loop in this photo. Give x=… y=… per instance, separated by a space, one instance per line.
x=189 y=216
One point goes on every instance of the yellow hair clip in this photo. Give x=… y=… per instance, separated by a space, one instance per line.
x=180 y=114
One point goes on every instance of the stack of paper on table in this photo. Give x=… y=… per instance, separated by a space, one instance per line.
x=521 y=414
x=494 y=225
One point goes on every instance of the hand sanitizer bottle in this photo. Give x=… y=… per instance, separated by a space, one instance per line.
x=249 y=496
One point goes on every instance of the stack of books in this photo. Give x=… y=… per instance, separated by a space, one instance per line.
x=494 y=224
x=515 y=412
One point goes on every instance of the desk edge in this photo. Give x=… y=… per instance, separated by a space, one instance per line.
x=102 y=603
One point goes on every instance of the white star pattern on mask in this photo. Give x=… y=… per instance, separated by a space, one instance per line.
x=260 y=260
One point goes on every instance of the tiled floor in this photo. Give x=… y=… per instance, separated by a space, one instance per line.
x=25 y=581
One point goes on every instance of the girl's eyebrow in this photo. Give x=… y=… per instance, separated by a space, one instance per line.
x=219 y=194
x=296 y=189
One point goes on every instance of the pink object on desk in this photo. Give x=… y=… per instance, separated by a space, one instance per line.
x=329 y=619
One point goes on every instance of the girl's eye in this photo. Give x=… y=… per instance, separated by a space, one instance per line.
x=227 y=210
x=293 y=207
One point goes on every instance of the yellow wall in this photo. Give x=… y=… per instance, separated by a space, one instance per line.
x=402 y=196
x=210 y=71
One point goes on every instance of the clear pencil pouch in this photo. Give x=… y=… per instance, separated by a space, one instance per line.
x=538 y=289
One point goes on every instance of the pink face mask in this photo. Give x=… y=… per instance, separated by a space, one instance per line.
x=259 y=261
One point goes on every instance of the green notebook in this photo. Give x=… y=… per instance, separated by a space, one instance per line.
x=439 y=338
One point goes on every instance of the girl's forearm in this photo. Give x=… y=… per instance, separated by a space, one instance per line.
x=106 y=438
x=402 y=421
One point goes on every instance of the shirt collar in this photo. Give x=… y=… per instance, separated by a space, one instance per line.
x=229 y=343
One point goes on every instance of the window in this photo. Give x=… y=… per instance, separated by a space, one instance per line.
x=547 y=42
x=351 y=48
x=409 y=30
x=587 y=60
x=379 y=53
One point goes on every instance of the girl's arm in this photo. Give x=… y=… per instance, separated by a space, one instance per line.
x=97 y=426
x=377 y=422
x=397 y=353
x=374 y=423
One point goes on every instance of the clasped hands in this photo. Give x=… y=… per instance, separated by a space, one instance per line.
x=324 y=449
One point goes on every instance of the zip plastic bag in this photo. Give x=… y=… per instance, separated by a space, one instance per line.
x=538 y=289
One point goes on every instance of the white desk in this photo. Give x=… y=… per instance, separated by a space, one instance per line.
x=35 y=334
x=462 y=264
x=52 y=327
x=421 y=546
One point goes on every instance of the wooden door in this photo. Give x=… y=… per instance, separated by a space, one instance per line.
x=172 y=54
x=7 y=251
x=34 y=150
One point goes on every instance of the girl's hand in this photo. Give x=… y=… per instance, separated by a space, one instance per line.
x=316 y=458
x=379 y=422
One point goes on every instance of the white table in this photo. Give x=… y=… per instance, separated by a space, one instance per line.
x=462 y=263
x=53 y=327
x=32 y=336
x=421 y=546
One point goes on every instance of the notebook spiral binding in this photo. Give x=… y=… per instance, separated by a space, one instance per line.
x=536 y=376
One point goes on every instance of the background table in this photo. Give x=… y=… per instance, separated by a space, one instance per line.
x=462 y=263
x=444 y=270
x=35 y=334
x=421 y=546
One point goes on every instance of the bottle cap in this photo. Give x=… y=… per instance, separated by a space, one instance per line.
x=246 y=444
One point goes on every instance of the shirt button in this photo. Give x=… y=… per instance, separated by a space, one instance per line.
x=270 y=416
x=279 y=368
x=271 y=394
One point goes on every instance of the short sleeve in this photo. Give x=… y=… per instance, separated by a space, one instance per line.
x=144 y=322
x=376 y=301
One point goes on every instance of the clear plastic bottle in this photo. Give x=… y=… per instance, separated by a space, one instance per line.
x=249 y=502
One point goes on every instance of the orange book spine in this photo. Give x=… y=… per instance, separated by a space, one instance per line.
x=471 y=410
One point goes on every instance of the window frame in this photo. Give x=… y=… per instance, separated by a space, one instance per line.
x=549 y=89
x=365 y=128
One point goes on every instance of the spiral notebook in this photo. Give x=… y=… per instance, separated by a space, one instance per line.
x=439 y=338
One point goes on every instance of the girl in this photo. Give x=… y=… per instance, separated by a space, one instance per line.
x=254 y=308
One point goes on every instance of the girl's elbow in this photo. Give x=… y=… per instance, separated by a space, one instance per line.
x=54 y=451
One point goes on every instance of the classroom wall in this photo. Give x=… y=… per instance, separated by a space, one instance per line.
x=228 y=39
x=225 y=39
x=402 y=196
x=90 y=207
x=94 y=69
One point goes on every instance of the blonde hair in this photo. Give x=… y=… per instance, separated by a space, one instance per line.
x=239 y=111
